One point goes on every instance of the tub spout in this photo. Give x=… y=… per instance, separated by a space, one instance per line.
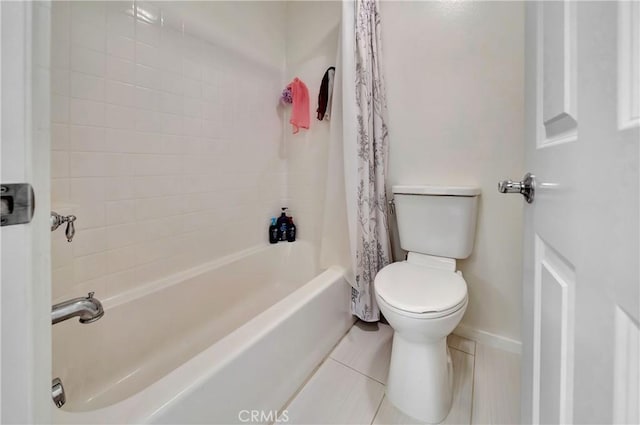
x=88 y=309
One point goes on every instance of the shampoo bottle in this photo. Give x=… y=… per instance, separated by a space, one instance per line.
x=282 y=223
x=273 y=231
x=291 y=231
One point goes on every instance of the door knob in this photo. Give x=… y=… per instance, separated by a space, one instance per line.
x=526 y=187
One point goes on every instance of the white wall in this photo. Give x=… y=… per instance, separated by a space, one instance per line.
x=166 y=137
x=454 y=73
x=312 y=44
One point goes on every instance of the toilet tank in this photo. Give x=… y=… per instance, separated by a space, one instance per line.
x=437 y=220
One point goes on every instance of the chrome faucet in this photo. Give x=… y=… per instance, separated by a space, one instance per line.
x=88 y=309
x=57 y=220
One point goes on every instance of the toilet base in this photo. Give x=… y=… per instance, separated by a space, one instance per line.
x=420 y=381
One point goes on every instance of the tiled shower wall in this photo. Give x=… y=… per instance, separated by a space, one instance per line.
x=166 y=146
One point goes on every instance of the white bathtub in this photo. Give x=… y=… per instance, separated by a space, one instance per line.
x=242 y=333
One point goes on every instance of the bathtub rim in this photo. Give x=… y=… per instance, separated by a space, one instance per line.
x=150 y=402
x=156 y=285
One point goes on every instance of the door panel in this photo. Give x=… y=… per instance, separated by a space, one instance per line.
x=25 y=291
x=557 y=48
x=581 y=264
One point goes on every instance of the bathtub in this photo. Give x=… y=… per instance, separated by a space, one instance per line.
x=204 y=346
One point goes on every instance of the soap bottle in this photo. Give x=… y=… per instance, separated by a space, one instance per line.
x=273 y=231
x=282 y=223
x=291 y=231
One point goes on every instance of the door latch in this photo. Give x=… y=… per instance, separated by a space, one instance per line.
x=17 y=203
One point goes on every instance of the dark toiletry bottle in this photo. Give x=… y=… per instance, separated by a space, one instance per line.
x=282 y=223
x=273 y=231
x=291 y=231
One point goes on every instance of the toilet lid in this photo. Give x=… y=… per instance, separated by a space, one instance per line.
x=420 y=289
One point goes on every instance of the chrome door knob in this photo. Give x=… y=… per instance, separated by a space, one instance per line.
x=526 y=187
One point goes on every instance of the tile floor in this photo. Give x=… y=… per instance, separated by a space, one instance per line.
x=348 y=387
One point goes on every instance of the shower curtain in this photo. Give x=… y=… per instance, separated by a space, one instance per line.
x=365 y=143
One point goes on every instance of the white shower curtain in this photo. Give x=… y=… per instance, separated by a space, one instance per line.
x=364 y=155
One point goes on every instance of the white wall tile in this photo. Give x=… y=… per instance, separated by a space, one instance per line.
x=86 y=189
x=86 y=138
x=120 y=46
x=118 y=164
x=89 y=267
x=142 y=148
x=148 y=33
x=148 y=99
x=148 y=121
x=59 y=164
x=172 y=83
x=120 y=93
x=89 y=33
x=59 y=109
x=171 y=103
x=60 y=81
x=62 y=57
x=118 y=140
x=86 y=86
x=90 y=215
x=118 y=188
x=119 y=212
x=121 y=259
x=86 y=112
x=89 y=241
x=148 y=55
x=60 y=190
x=120 y=117
x=120 y=21
x=171 y=124
x=87 y=164
x=88 y=61
x=148 y=77
x=122 y=235
x=192 y=88
x=121 y=70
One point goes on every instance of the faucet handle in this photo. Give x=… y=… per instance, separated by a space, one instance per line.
x=71 y=228
x=90 y=295
x=57 y=220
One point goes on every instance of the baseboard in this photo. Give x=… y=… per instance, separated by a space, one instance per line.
x=488 y=338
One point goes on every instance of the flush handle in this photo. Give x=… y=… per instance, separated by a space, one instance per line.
x=526 y=187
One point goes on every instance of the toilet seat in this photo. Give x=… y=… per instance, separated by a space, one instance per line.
x=420 y=291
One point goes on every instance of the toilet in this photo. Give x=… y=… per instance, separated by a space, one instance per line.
x=424 y=297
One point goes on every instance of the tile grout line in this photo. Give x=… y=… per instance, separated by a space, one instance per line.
x=356 y=370
x=473 y=384
x=313 y=372
x=375 y=379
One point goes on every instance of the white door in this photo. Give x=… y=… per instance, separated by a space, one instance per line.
x=25 y=286
x=581 y=258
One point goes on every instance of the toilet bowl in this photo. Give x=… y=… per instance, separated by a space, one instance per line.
x=424 y=298
x=420 y=381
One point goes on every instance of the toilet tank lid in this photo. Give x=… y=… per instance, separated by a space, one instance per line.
x=436 y=190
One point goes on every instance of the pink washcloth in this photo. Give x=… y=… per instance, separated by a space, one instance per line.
x=300 y=111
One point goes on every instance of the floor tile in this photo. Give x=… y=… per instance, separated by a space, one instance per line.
x=462 y=394
x=367 y=349
x=462 y=344
x=496 y=387
x=336 y=394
